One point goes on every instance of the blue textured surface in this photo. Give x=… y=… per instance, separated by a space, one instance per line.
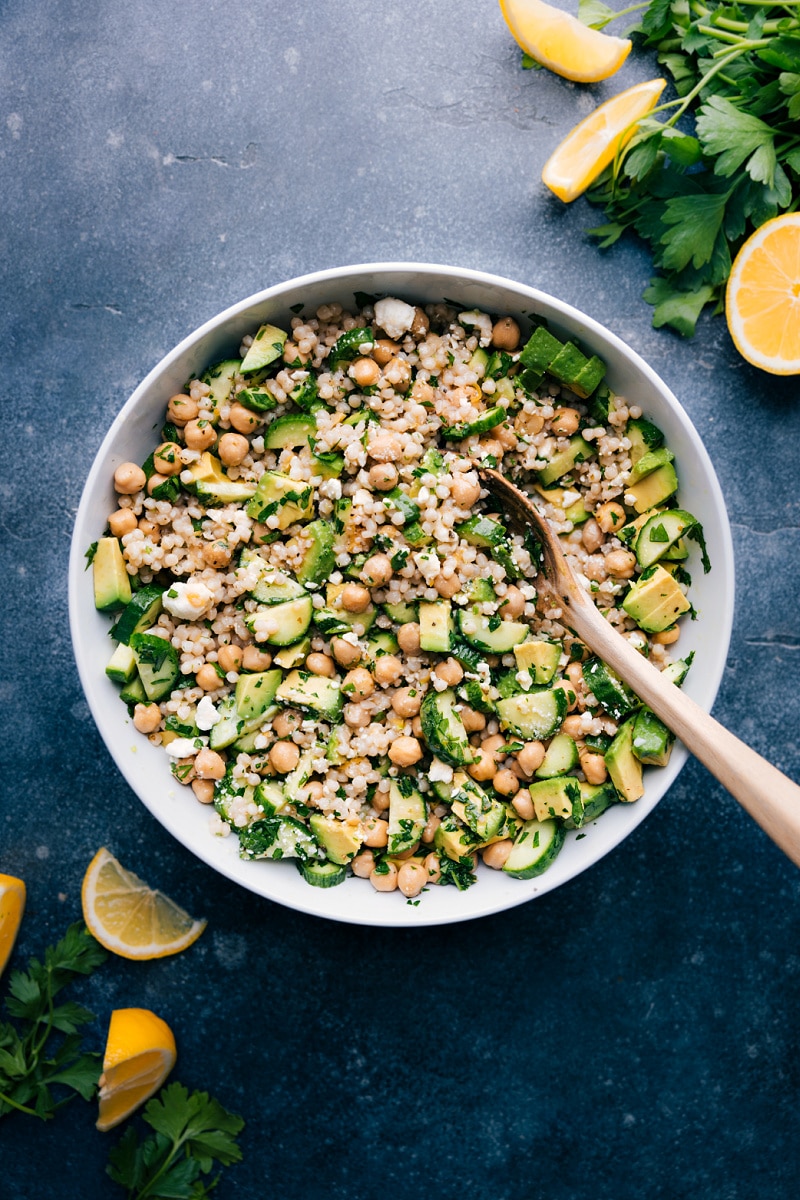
x=633 y=1034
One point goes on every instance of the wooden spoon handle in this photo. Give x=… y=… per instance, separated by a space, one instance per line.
x=770 y=797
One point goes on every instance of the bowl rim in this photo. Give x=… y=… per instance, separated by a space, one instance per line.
x=476 y=905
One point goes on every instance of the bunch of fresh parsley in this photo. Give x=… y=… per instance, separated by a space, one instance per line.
x=43 y=1065
x=694 y=193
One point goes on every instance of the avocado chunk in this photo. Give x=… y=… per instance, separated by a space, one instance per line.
x=112 y=584
x=408 y=815
x=293 y=655
x=540 y=659
x=577 y=451
x=568 y=363
x=651 y=461
x=655 y=601
x=454 y=839
x=313 y=693
x=540 y=350
x=435 y=626
x=220 y=379
x=319 y=559
x=623 y=766
x=122 y=664
x=212 y=485
x=652 y=741
x=559 y=797
x=267 y=345
x=255 y=694
x=484 y=814
x=340 y=840
x=277 y=494
x=654 y=489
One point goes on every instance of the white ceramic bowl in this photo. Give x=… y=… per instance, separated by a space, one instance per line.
x=131 y=437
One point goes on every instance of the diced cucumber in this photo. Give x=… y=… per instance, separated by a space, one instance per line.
x=289 y=431
x=257 y=399
x=312 y=693
x=559 y=797
x=225 y=731
x=380 y=644
x=398 y=501
x=643 y=436
x=560 y=758
x=112 y=584
x=401 y=613
x=270 y=798
x=660 y=533
x=539 y=658
x=677 y=671
x=266 y=347
x=319 y=560
x=480 y=591
x=122 y=664
x=533 y=715
x=350 y=345
x=219 y=379
x=255 y=695
x=217 y=493
x=652 y=741
x=157 y=662
x=133 y=692
x=487 y=420
x=276 y=587
x=408 y=815
x=535 y=849
x=477 y=697
x=491 y=634
x=435 y=626
x=321 y=873
x=595 y=799
x=482 y=531
x=299 y=777
x=139 y=615
x=276 y=838
x=281 y=624
x=609 y=690
x=443 y=728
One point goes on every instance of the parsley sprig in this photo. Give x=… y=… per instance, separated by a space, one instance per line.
x=694 y=193
x=191 y=1133
x=41 y=1056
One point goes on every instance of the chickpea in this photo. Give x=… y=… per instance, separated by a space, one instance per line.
x=530 y=757
x=229 y=658
x=513 y=604
x=207 y=678
x=593 y=766
x=667 y=637
x=383 y=477
x=345 y=653
x=377 y=833
x=422 y=392
x=621 y=563
x=408 y=638
x=574 y=674
x=433 y=868
x=150 y=531
x=204 y=790
x=182 y=409
x=199 y=434
x=610 y=516
x=356 y=716
x=217 y=554
x=505 y=436
x=377 y=570
x=565 y=421
x=529 y=423
x=420 y=325
x=364 y=372
x=450 y=672
x=385 y=447
x=592 y=535
x=407 y=701
x=255 y=659
x=292 y=353
x=388 y=669
x=184 y=771
x=314 y=791
x=411 y=878
x=383 y=350
x=405 y=751
x=485 y=766
x=505 y=334
x=232 y=449
x=358 y=684
x=354 y=598
x=472 y=721
x=431 y=825
x=573 y=726
x=380 y=802
x=523 y=805
x=494 y=744
x=285 y=723
x=155 y=481
x=495 y=856
x=209 y=765
x=490 y=446
x=167 y=459
x=385 y=879
x=465 y=490
x=243 y=420
x=121 y=522
x=129 y=479
x=146 y=717
x=321 y=664
x=595 y=568
x=447 y=587
x=363 y=864
x=397 y=372
x=284 y=757
x=505 y=782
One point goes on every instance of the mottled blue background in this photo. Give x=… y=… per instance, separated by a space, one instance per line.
x=633 y=1034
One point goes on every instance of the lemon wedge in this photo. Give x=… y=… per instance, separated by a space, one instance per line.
x=590 y=147
x=128 y=917
x=140 y=1053
x=12 y=906
x=562 y=43
x=762 y=299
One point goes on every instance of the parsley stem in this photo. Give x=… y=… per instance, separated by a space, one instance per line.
x=23 y=1108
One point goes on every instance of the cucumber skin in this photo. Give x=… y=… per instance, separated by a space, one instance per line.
x=546 y=860
x=316 y=874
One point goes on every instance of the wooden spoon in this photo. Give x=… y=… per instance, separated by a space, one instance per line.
x=771 y=798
